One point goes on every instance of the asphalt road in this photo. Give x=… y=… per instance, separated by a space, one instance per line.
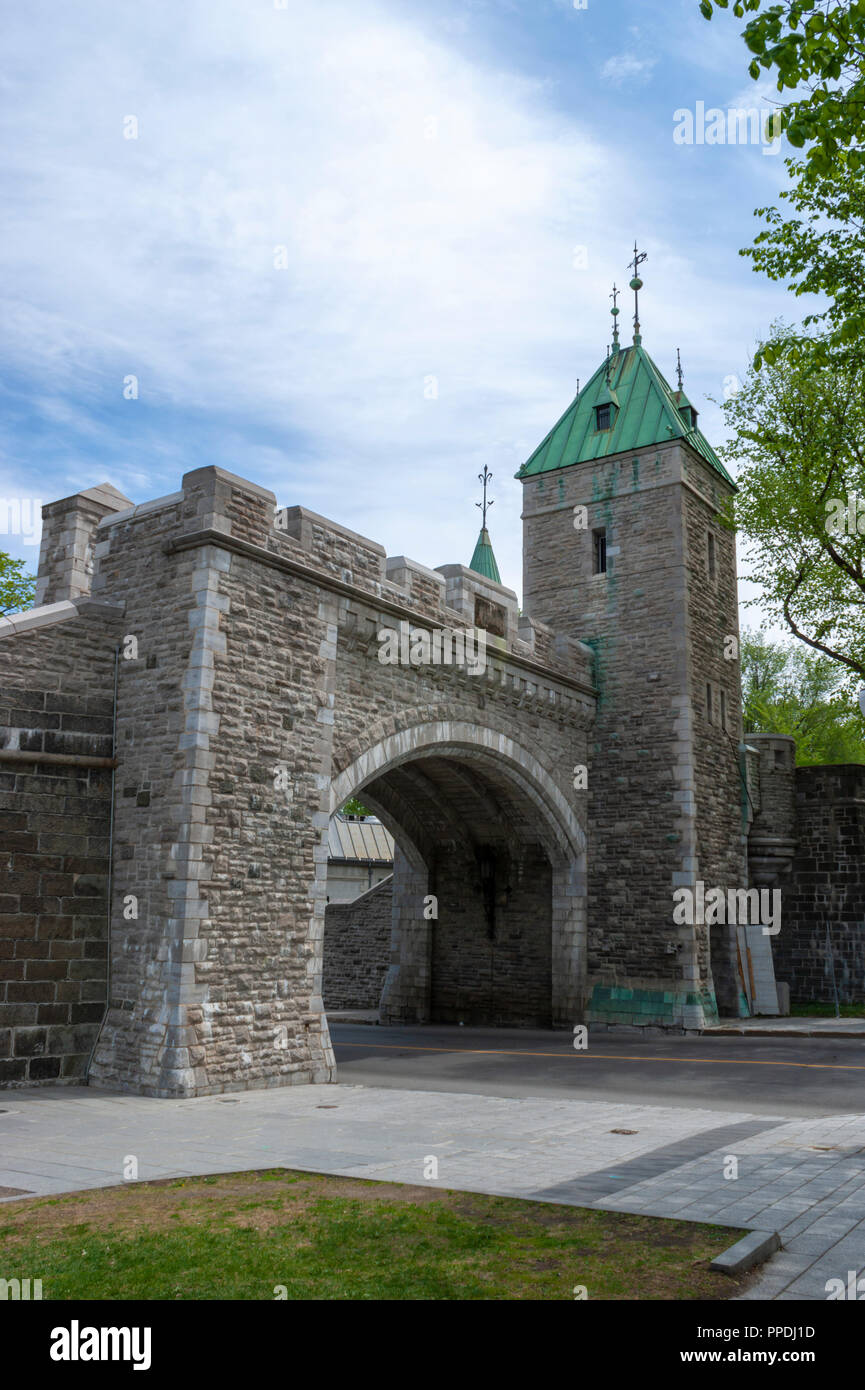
x=770 y=1076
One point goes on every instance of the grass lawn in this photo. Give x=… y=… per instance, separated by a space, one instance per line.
x=239 y=1235
x=826 y=1010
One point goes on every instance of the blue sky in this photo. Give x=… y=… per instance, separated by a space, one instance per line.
x=429 y=171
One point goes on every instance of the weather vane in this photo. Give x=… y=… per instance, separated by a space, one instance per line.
x=615 y=313
x=679 y=370
x=636 y=286
x=484 y=478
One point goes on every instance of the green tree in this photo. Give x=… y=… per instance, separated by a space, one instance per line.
x=798 y=445
x=819 y=252
x=16 y=587
x=353 y=807
x=815 y=50
x=788 y=690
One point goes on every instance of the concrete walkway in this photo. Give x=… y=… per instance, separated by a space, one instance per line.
x=804 y=1178
x=789 y=1028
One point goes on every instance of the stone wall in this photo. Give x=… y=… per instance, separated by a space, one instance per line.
x=56 y=704
x=250 y=703
x=664 y=794
x=491 y=944
x=826 y=887
x=357 y=949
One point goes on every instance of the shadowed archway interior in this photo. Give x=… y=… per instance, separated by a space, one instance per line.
x=475 y=850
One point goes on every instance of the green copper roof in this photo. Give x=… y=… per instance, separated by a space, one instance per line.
x=484 y=561
x=645 y=410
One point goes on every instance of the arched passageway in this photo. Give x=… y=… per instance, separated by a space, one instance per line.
x=488 y=914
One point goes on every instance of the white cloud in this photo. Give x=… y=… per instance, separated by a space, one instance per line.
x=429 y=207
x=627 y=68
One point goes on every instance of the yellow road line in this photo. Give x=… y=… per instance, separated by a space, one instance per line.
x=605 y=1056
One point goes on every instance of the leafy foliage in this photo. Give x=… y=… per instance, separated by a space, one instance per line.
x=786 y=690
x=821 y=252
x=816 y=51
x=16 y=587
x=798 y=442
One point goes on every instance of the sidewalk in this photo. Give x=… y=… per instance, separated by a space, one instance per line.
x=790 y=1027
x=804 y=1178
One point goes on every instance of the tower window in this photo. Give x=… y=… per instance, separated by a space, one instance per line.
x=710 y=554
x=603 y=414
x=709 y=714
x=723 y=710
x=599 y=543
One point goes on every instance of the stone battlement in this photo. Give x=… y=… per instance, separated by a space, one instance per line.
x=81 y=534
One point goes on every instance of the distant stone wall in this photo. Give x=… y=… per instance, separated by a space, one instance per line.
x=492 y=954
x=826 y=886
x=55 y=700
x=357 y=949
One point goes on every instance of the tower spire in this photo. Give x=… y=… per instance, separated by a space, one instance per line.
x=679 y=371
x=615 y=313
x=483 y=560
x=636 y=286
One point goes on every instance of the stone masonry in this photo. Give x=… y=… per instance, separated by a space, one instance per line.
x=664 y=792
x=201 y=686
x=357 y=949
x=250 y=703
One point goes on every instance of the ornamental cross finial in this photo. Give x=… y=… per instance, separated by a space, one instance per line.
x=485 y=505
x=636 y=286
x=679 y=371
x=615 y=313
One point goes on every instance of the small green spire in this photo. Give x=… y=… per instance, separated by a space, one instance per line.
x=484 y=561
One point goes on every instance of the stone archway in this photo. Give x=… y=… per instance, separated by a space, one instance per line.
x=489 y=843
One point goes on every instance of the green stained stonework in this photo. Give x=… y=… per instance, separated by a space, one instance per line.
x=646 y=410
x=652 y=1007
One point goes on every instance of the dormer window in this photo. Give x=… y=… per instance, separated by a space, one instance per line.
x=603 y=416
x=689 y=415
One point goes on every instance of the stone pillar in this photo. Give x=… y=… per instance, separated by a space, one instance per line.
x=569 y=982
x=772 y=838
x=407 y=987
x=68 y=531
x=215 y=981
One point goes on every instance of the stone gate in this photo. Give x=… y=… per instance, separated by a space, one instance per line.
x=243 y=645
x=201 y=685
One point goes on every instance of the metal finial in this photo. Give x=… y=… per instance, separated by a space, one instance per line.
x=679 y=370
x=484 y=478
x=615 y=312
x=636 y=286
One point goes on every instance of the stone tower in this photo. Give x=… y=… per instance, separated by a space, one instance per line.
x=623 y=549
